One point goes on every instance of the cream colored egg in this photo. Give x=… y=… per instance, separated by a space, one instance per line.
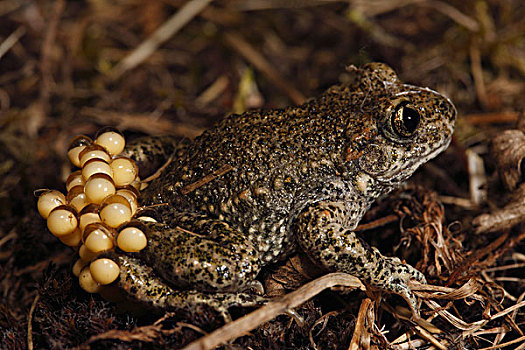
x=78 y=266
x=86 y=254
x=87 y=282
x=77 y=198
x=112 y=141
x=104 y=271
x=96 y=166
x=73 y=155
x=73 y=239
x=62 y=221
x=136 y=183
x=93 y=152
x=115 y=214
x=88 y=218
x=98 y=241
x=131 y=240
x=48 y=201
x=98 y=187
x=76 y=146
x=74 y=179
x=131 y=197
x=124 y=171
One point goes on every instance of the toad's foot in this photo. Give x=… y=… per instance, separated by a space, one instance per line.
x=394 y=276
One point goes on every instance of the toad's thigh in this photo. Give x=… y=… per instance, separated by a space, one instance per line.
x=224 y=261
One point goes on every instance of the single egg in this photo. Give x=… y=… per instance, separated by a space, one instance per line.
x=98 y=187
x=77 y=198
x=131 y=240
x=49 y=200
x=112 y=140
x=104 y=271
x=73 y=239
x=124 y=171
x=131 y=194
x=96 y=166
x=78 y=266
x=86 y=254
x=62 y=221
x=93 y=152
x=97 y=238
x=115 y=211
x=74 y=179
x=88 y=215
x=77 y=145
x=87 y=282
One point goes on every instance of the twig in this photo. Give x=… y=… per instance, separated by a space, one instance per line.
x=377 y=223
x=161 y=35
x=259 y=61
x=208 y=178
x=8 y=237
x=141 y=122
x=453 y=13
x=477 y=73
x=47 y=49
x=11 y=40
x=360 y=325
x=271 y=310
x=502 y=345
x=491 y=118
x=323 y=321
x=423 y=333
x=159 y=171
x=30 y=323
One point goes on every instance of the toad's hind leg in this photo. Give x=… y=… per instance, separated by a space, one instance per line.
x=152 y=152
x=201 y=253
x=142 y=284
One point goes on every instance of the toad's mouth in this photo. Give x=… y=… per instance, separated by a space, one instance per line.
x=397 y=174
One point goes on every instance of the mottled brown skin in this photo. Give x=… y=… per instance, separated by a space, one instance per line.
x=301 y=178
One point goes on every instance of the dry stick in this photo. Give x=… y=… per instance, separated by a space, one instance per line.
x=499 y=346
x=477 y=73
x=360 y=325
x=423 y=333
x=452 y=12
x=47 y=49
x=11 y=40
x=30 y=323
x=254 y=57
x=161 y=35
x=208 y=178
x=377 y=223
x=141 y=122
x=271 y=310
x=491 y=118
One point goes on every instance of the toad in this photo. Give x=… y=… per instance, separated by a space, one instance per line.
x=264 y=184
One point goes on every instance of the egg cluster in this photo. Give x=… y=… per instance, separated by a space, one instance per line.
x=94 y=215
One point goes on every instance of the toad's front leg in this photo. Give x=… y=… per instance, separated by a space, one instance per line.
x=324 y=234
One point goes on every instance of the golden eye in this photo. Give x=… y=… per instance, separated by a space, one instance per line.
x=404 y=120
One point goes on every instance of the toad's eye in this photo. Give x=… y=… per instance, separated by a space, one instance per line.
x=404 y=120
